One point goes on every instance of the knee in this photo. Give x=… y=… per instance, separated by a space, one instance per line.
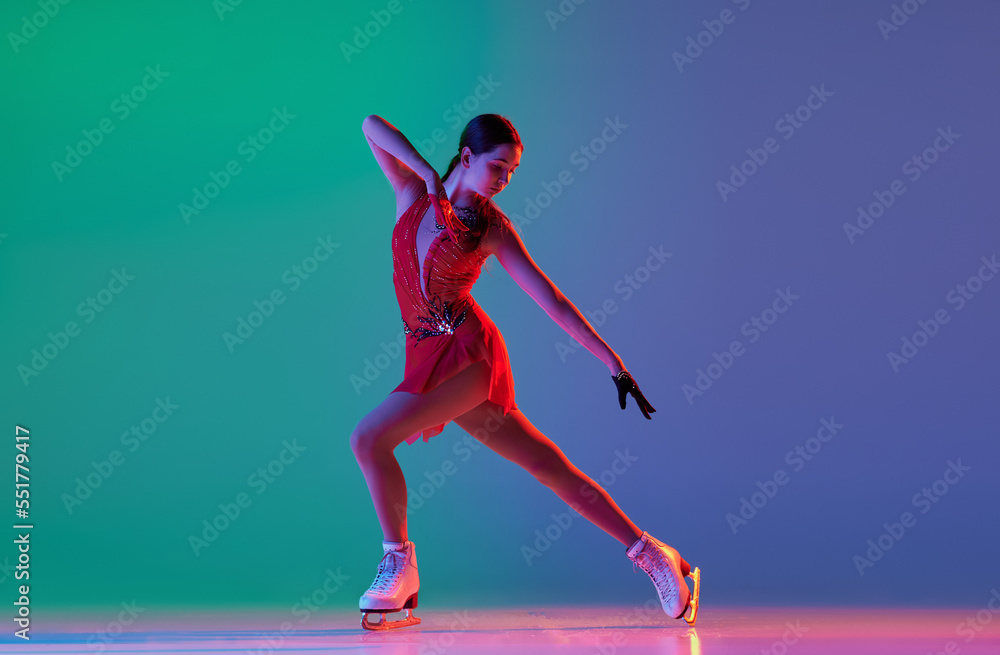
x=364 y=442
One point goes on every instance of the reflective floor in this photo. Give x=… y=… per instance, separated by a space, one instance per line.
x=597 y=630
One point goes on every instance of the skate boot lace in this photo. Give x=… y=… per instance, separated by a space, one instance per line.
x=659 y=570
x=389 y=570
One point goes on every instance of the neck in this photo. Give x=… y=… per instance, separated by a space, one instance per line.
x=458 y=194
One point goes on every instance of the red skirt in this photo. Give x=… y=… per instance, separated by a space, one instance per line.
x=436 y=359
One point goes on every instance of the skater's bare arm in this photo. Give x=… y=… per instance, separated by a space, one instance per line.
x=514 y=257
x=395 y=155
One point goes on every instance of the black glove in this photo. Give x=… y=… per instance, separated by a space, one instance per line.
x=626 y=385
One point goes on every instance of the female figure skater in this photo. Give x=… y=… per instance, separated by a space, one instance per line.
x=457 y=368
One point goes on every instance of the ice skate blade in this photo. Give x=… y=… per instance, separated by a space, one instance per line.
x=693 y=601
x=388 y=625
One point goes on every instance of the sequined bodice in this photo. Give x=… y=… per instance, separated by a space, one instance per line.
x=433 y=273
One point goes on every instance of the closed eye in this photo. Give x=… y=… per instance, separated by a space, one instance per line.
x=513 y=172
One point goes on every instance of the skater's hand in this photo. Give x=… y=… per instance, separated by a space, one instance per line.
x=443 y=211
x=626 y=385
x=442 y=208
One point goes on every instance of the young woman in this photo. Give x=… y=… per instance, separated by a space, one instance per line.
x=457 y=367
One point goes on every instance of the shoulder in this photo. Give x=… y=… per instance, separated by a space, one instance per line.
x=501 y=229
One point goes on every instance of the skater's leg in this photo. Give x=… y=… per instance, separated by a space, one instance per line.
x=400 y=415
x=516 y=439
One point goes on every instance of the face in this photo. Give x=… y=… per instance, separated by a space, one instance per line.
x=491 y=171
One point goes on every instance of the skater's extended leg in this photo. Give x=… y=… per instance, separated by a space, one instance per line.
x=400 y=415
x=515 y=438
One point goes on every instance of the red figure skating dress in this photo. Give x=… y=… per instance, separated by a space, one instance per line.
x=446 y=330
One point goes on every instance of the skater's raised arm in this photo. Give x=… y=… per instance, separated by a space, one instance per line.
x=395 y=155
x=514 y=257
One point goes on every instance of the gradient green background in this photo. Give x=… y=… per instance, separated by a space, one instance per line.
x=652 y=187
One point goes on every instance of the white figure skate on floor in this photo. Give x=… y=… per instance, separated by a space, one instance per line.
x=394 y=589
x=668 y=570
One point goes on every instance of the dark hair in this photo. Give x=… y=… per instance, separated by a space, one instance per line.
x=482 y=134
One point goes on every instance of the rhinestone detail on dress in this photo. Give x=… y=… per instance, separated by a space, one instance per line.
x=439 y=322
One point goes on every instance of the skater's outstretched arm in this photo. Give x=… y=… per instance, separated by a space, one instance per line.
x=506 y=244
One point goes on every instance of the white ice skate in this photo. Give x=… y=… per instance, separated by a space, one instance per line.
x=394 y=589
x=668 y=571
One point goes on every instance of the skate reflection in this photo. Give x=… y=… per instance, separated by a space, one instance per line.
x=692 y=633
